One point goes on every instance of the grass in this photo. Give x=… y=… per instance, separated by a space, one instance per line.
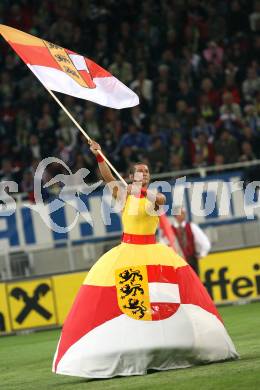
x=25 y=362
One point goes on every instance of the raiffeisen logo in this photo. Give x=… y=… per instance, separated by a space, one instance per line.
x=235 y=278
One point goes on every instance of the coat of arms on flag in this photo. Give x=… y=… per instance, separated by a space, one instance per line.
x=74 y=65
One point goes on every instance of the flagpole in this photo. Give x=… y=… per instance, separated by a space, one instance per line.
x=86 y=135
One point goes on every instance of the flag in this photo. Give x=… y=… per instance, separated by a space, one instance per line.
x=166 y=230
x=65 y=71
x=167 y=235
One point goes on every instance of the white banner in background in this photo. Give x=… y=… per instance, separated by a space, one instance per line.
x=222 y=195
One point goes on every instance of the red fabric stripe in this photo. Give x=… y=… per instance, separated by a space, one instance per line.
x=93 y=306
x=96 y=70
x=39 y=55
x=35 y=55
x=161 y=274
x=139 y=239
x=161 y=311
x=192 y=291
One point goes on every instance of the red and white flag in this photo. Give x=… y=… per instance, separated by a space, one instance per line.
x=65 y=71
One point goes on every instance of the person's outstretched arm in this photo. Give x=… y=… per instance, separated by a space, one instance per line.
x=104 y=169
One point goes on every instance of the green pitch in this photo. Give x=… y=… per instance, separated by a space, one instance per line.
x=25 y=363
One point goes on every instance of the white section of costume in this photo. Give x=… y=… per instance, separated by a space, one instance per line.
x=125 y=346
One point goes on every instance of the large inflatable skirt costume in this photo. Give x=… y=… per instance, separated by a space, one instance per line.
x=141 y=307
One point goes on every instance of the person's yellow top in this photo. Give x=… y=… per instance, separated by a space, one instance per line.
x=136 y=218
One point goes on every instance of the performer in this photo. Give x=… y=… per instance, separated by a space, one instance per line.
x=141 y=305
x=192 y=241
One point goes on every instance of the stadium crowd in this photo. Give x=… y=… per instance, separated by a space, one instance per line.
x=194 y=64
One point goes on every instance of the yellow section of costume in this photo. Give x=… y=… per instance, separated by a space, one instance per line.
x=136 y=220
x=136 y=216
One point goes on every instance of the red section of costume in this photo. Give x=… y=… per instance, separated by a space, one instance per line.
x=161 y=274
x=193 y=292
x=161 y=311
x=139 y=239
x=93 y=306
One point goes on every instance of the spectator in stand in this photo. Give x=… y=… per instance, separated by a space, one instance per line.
x=255 y=49
x=247 y=135
x=230 y=114
x=121 y=69
x=155 y=133
x=219 y=161
x=8 y=172
x=202 y=126
x=192 y=59
x=157 y=156
x=138 y=117
x=175 y=163
x=227 y=146
x=186 y=94
x=163 y=95
x=144 y=84
x=183 y=113
x=252 y=118
x=214 y=54
x=217 y=25
x=162 y=117
x=206 y=109
x=108 y=142
x=27 y=184
x=229 y=109
x=247 y=153
x=34 y=148
x=125 y=159
x=63 y=152
x=231 y=70
x=211 y=93
x=236 y=21
x=231 y=86
x=90 y=122
x=254 y=17
x=137 y=140
x=251 y=85
x=178 y=147
x=202 y=151
x=23 y=125
x=168 y=58
x=164 y=75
